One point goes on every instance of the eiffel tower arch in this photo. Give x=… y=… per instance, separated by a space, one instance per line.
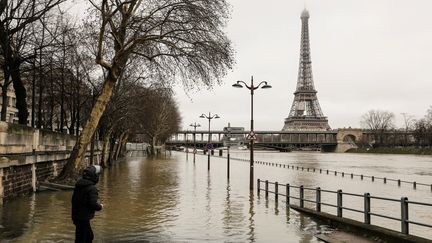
x=305 y=113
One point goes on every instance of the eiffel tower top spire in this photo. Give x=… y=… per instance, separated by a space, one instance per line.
x=305 y=79
x=305 y=113
x=305 y=13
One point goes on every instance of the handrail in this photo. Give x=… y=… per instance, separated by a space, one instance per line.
x=315 y=170
x=404 y=202
x=328 y=171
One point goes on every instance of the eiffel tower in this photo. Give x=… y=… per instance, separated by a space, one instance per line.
x=305 y=113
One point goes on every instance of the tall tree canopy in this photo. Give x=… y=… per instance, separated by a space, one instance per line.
x=180 y=40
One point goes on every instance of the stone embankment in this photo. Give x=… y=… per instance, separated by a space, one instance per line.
x=29 y=156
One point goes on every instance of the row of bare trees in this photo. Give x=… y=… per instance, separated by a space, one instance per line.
x=383 y=132
x=109 y=74
x=180 y=40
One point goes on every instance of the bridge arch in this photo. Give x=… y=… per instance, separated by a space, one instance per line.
x=349 y=135
x=350 y=138
x=347 y=138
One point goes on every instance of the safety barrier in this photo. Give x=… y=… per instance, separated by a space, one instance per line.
x=340 y=195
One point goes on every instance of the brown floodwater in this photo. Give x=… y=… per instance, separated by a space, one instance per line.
x=163 y=200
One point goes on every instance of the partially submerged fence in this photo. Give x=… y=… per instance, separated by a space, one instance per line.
x=285 y=190
x=336 y=173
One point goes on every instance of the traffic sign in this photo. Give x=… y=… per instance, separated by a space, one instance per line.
x=194 y=151
x=252 y=136
x=209 y=146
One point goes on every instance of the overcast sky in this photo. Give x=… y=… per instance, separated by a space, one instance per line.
x=366 y=54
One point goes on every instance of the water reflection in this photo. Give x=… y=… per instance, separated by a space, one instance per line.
x=251 y=226
x=208 y=198
x=13 y=225
x=162 y=200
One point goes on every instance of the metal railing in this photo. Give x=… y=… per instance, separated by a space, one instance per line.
x=341 y=173
x=366 y=211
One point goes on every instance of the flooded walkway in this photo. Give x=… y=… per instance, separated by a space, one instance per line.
x=175 y=200
x=163 y=200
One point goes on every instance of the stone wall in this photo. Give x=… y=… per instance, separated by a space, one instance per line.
x=17 y=180
x=29 y=156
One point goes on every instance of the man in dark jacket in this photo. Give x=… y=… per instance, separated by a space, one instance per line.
x=84 y=203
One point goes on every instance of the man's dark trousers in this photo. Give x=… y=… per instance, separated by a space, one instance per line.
x=83 y=232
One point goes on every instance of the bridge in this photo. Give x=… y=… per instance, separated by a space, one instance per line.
x=332 y=141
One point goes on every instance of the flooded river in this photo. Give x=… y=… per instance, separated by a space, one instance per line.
x=174 y=200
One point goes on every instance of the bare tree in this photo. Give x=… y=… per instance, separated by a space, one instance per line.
x=378 y=122
x=423 y=130
x=409 y=123
x=16 y=17
x=159 y=117
x=175 y=39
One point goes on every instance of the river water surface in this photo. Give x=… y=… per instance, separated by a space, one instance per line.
x=174 y=200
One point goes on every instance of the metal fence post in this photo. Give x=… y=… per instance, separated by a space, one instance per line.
x=301 y=196
x=404 y=215
x=339 y=203
x=266 y=188
x=361 y=177
x=414 y=185
x=385 y=180
x=318 y=199
x=320 y=171
x=327 y=172
x=352 y=175
x=373 y=178
x=287 y=194
x=367 y=217
x=335 y=172
x=399 y=182
x=276 y=191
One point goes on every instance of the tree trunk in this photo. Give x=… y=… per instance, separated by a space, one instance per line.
x=51 y=110
x=111 y=149
x=123 y=147
x=5 y=101
x=40 y=99
x=78 y=153
x=153 y=150
x=122 y=139
x=105 y=145
x=20 y=93
x=78 y=103
x=92 y=144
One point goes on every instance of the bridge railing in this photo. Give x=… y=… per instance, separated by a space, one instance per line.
x=367 y=212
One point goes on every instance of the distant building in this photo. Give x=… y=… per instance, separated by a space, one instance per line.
x=12 y=111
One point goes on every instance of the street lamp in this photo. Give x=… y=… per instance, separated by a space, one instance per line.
x=252 y=88
x=194 y=125
x=209 y=117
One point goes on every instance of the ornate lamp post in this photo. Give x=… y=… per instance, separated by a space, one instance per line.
x=194 y=125
x=252 y=88
x=209 y=117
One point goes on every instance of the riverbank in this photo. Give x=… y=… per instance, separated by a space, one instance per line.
x=388 y=150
